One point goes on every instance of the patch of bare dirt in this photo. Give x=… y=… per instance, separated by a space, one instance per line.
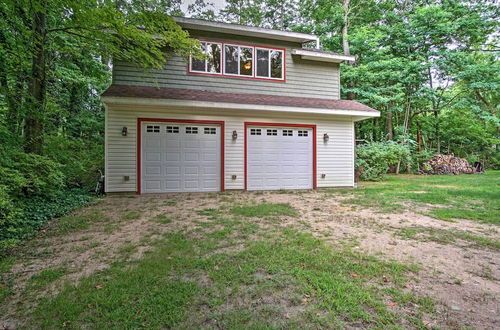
x=463 y=279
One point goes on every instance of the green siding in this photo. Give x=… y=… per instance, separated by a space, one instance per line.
x=303 y=78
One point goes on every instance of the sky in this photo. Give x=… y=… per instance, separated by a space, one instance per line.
x=218 y=4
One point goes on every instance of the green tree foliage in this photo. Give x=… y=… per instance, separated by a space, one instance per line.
x=430 y=67
x=55 y=60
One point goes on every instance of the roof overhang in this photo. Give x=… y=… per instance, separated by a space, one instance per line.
x=119 y=100
x=321 y=56
x=197 y=24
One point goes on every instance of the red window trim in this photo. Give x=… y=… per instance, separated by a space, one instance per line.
x=313 y=127
x=187 y=121
x=223 y=74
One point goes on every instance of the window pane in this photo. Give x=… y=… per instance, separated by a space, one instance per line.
x=199 y=65
x=246 y=61
x=231 y=59
x=276 y=64
x=262 y=63
x=214 y=52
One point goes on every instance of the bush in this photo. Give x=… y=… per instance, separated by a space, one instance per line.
x=373 y=159
x=32 y=191
x=80 y=159
x=29 y=174
x=26 y=216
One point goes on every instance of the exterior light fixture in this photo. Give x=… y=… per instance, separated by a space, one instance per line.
x=124 y=131
x=235 y=135
x=326 y=137
x=248 y=65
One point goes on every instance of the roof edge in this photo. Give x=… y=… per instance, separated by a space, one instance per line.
x=144 y=101
x=198 y=24
x=323 y=56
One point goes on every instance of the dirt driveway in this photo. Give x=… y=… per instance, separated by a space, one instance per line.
x=458 y=262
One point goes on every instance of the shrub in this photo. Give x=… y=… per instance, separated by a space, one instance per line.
x=32 y=191
x=80 y=159
x=29 y=174
x=373 y=159
x=26 y=215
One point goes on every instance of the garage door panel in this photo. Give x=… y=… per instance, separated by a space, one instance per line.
x=152 y=170
x=191 y=143
x=173 y=184
x=191 y=170
x=210 y=184
x=279 y=158
x=191 y=156
x=173 y=143
x=191 y=184
x=153 y=185
x=181 y=157
x=210 y=170
x=174 y=156
x=152 y=142
x=153 y=156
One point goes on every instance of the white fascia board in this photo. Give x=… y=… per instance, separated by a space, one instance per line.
x=320 y=56
x=235 y=106
x=197 y=24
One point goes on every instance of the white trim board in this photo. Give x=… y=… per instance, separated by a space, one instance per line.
x=321 y=56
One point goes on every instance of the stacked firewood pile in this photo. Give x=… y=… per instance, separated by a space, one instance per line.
x=447 y=164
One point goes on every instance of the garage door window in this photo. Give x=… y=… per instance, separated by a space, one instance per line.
x=303 y=133
x=172 y=129
x=287 y=132
x=255 y=131
x=210 y=130
x=191 y=130
x=153 y=129
x=272 y=132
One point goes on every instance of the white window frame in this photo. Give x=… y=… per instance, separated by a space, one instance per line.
x=269 y=63
x=239 y=57
x=206 y=61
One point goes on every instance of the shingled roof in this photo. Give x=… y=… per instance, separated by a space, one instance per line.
x=258 y=99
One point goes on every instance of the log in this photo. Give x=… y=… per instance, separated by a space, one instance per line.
x=447 y=164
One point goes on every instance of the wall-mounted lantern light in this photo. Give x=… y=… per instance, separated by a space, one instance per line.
x=326 y=137
x=235 y=135
x=124 y=131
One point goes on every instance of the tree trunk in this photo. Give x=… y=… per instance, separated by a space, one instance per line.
x=436 y=114
x=345 y=42
x=345 y=28
x=36 y=89
x=389 y=124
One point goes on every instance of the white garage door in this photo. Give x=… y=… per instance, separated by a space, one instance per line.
x=180 y=157
x=279 y=158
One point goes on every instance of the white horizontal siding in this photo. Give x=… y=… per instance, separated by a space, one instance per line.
x=334 y=159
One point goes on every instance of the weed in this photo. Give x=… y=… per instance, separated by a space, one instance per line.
x=46 y=277
x=162 y=218
x=264 y=209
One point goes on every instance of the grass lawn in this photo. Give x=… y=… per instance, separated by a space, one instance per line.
x=241 y=261
x=235 y=270
x=474 y=197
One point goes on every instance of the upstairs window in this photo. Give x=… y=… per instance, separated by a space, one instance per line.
x=269 y=63
x=213 y=64
x=238 y=60
x=248 y=61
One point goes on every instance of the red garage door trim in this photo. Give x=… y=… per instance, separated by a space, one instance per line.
x=313 y=127
x=187 y=121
